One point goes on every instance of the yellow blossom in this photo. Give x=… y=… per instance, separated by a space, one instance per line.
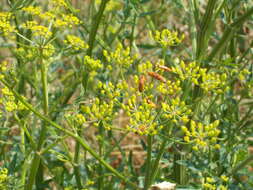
x=80 y=119
x=48 y=50
x=167 y=38
x=3 y=179
x=75 y=42
x=202 y=136
x=120 y=56
x=37 y=30
x=92 y=64
x=224 y=178
x=59 y=3
x=5 y=25
x=32 y=10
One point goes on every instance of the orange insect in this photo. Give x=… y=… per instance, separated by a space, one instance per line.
x=142 y=83
x=157 y=76
x=164 y=68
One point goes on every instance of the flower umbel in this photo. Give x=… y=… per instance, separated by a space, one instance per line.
x=167 y=38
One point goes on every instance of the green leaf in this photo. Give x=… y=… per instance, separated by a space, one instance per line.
x=4 y=129
x=147 y=13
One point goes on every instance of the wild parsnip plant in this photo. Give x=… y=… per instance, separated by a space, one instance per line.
x=79 y=79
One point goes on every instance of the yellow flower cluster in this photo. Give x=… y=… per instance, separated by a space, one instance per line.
x=80 y=119
x=5 y=26
x=202 y=136
x=100 y=111
x=111 y=91
x=92 y=64
x=31 y=53
x=176 y=111
x=189 y=71
x=167 y=38
x=120 y=56
x=57 y=17
x=142 y=117
x=208 y=81
x=145 y=67
x=47 y=16
x=75 y=42
x=3 y=68
x=26 y=54
x=8 y=99
x=32 y=10
x=170 y=87
x=3 y=179
x=9 y=102
x=224 y=178
x=213 y=82
x=210 y=183
x=242 y=74
x=48 y=50
x=66 y=20
x=38 y=30
x=59 y=3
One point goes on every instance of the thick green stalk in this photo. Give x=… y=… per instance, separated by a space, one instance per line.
x=148 y=163
x=157 y=160
x=101 y=150
x=179 y=170
x=95 y=25
x=193 y=26
x=82 y=142
x=241 y=165
x=76 y=162
x=23 y=150
x=132 y=32
x=202 y=38
x=33 y=171
x=228 y=34
x=36 y=160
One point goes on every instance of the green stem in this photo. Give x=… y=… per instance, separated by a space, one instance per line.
x=156 y=163
x=101 y=150
x=23 y=149
x=179 y=170
x=202 y=38
x=148 y=163
x=241 y=165
x=36 y=160
x=95 y=25
x=228 y=34
x=44 y=87
x=82 y=142
x=23 y=174
x=33 y=171
x=132 y=32
x=76 y=162
x=193 y=29
x=49 y=147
